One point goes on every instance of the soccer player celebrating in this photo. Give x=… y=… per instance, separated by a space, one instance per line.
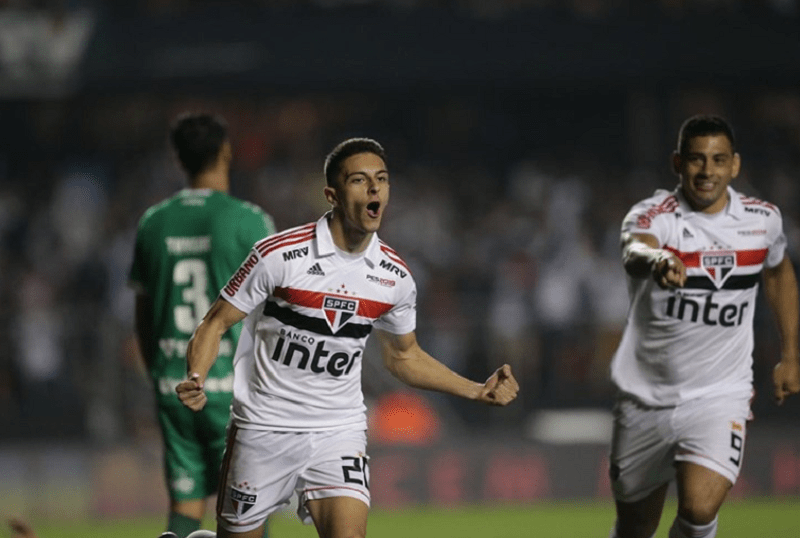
x=694 y=257
x=186 y=249
x=310 y=296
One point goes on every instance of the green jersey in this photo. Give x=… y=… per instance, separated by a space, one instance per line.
x=187 y=247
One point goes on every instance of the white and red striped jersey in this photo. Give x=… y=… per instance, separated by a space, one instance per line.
x=697 y=341
x=310 y=309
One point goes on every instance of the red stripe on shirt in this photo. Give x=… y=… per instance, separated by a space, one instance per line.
x=367 y=308
x=743 y=257
x=288 y=242
x=392 y=255
x=288 y=234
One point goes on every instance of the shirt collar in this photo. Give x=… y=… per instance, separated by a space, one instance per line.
x=326 y=246
x=734 y=208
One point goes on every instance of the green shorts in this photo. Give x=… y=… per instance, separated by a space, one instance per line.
x=193 y=447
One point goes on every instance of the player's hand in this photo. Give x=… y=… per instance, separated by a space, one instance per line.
x=669 y=271
x=191 y=393
x=786 y=379
x=501 y=388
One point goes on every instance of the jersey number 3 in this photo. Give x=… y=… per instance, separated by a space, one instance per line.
x=193 y=274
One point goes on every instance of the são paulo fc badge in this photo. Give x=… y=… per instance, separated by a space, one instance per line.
x=719 y=265
x=242 y=501
x=338 y=311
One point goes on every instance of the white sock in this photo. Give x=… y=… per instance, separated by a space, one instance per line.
x=683 y=529
x=202 y=533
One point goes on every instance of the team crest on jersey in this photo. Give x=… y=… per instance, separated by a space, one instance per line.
x=338 y=311
x=718 y=265
x=242 y=501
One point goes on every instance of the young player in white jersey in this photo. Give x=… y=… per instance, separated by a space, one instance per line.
x=309 y=297
x=694 y=258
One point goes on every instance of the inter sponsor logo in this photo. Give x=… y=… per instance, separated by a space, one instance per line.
x=392 y=268
x=752 y=232
x=719 y=265
x=295 y=253
x=382 y=281
x=708 y=312
x=303 y=354
x=238 y=278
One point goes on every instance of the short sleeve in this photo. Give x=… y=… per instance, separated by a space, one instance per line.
x=402 y=318
x=251 y=284
x=777 y=240
x=647 y=217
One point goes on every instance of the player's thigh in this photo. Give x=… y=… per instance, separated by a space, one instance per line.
x=639 y=519
x=339 y=517
x=339 y=467
x=711 y=434
x=259 y=475
x=642 y=451
x=701 y=492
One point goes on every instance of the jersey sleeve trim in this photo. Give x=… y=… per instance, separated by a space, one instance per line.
x=287 y=238
x=390 y=253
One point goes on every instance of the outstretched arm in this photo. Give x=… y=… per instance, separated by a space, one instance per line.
x=410 y=364
x=203 y=350
x=780 y=288
x=642 y=258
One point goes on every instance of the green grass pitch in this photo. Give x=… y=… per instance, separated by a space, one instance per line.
x=738 y=519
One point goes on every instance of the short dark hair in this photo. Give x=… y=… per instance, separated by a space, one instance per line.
x=348 y=148
x=197 y=139
x=704 y=125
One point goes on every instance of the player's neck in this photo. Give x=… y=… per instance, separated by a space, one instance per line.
x=212 y=179
x=348 y=238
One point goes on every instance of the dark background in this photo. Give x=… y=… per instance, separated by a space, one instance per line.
x=519 y=132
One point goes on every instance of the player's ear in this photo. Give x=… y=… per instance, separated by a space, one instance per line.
x=737 y=164
x=330 y=196
x=676 y=162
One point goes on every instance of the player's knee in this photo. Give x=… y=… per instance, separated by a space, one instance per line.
x=698 y=511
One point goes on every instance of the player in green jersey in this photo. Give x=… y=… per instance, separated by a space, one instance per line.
x=187 y=247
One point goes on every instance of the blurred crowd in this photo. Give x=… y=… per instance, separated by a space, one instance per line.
x=506 y=204
x=579 y=8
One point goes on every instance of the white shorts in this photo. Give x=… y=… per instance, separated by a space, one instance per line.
x=262 y=469
x=648 y=441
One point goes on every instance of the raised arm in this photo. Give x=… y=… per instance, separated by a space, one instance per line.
x=203 y=350
x=780 y=288
x=409 y=363
x=642 y=257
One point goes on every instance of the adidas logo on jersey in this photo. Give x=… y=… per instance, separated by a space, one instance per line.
x=316 y=270
x=687 y=233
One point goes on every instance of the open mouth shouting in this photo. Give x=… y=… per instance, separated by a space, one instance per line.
x=373 y=209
